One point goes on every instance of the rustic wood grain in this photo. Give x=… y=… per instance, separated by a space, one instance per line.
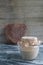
x=10 y=55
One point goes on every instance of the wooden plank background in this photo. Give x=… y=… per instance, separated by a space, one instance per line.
x=29 y=12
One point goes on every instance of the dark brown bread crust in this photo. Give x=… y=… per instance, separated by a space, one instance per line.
x=14 y=32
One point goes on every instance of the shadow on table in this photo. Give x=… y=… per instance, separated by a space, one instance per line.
x=10 y=43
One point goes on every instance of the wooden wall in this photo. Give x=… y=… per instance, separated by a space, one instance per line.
x=29 y=12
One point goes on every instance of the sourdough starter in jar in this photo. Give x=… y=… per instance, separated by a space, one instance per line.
x=29 y=47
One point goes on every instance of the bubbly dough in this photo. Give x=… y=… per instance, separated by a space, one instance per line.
x=26 y=41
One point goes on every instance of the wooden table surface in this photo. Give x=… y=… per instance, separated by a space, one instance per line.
x=10 y=55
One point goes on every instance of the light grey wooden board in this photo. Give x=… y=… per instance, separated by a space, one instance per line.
x=29 y=12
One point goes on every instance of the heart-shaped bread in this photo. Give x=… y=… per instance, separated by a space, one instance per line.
x=14 y=32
